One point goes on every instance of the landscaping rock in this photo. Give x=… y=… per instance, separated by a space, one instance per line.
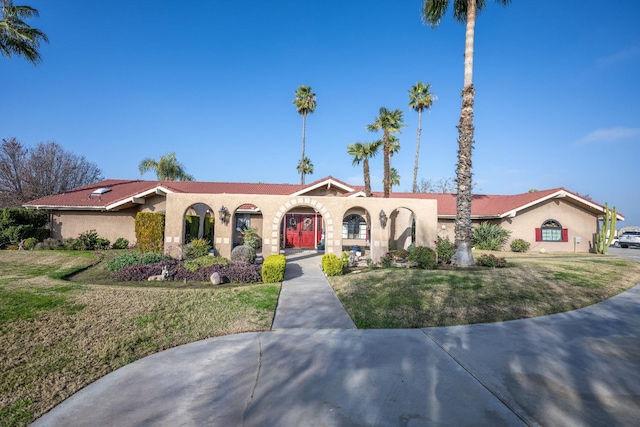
x=216 y=278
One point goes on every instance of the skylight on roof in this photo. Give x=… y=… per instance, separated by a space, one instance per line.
x=100 y=191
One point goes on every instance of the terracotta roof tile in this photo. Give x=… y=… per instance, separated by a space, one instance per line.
x=121 y=190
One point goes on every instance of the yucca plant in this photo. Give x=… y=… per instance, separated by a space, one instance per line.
x=490 y=237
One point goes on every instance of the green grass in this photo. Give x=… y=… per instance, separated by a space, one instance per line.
x=408 y=298
x=59 y=336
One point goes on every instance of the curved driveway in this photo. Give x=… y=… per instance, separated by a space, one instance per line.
x=575 y=368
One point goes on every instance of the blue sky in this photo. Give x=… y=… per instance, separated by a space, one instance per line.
x=557 y=90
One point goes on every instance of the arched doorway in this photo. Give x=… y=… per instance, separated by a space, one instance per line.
x=402 y=228
x=199 y=223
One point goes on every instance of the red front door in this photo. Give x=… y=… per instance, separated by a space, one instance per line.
x=302 y=230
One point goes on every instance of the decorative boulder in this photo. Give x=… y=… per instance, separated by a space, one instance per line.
x=216 y=278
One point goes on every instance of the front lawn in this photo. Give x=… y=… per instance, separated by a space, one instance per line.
x=529 y=287
x=59 y=336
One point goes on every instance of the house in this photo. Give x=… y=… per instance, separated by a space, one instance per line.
x=327 y=213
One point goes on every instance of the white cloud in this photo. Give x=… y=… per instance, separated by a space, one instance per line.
x=609 y=135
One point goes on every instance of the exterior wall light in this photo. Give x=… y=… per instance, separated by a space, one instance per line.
x=224 y=215
x=383 y=218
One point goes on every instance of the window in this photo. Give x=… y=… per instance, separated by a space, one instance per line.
x=243 y=221
x=552 y=231
x=354 y=227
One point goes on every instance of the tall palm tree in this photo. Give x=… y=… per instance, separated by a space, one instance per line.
x=305 y=102
x=305 y=167
x=463 y=11
x=389 y=122
x=362 y=152
x=167 y=168
x=16 y=37
x=419 y=99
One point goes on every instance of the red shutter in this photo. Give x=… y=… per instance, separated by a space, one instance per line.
x=565 y=234
x=538 y=234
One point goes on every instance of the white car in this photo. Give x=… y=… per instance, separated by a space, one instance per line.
x=629 y=238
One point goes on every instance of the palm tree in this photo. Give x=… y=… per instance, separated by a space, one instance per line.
x=16 y=37
x=167 y=168
x=390 y=122
x=419 y=99
x=305 y=167
x=394 y=177
x=362 y=152
x=305 y=102
x=463 y=11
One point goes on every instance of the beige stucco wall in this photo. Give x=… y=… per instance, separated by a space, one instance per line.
x=273 y=208
x=579 y=221
x=110 y=225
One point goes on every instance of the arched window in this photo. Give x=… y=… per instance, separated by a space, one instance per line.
x=354 y=227
x=551 y=231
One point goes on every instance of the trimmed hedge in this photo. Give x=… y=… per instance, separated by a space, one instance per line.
x=331 y=265
x=149 y=228
x=273 y=268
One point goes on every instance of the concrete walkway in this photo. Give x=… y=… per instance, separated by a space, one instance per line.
x=575 y=368
x=306 y=298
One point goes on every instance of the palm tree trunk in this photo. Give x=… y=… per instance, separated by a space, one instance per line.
x=367 y=177
x=304 y=131
x=386 y=163
x=463 y=228
x=415 y=165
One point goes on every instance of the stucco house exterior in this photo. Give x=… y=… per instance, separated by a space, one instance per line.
x=328 y=214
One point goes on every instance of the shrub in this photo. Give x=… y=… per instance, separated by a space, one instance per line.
x=423 y=257
x=446 y=249
x=243 y=253
x=133 y=258
x=345 y=259
x=29 y=243
x=120 y=243
x=205 y=262
x=140 y=272
x=386 y=260
x=17 y=224
x=242 y=272
x=68 y=243
x=401 y=254
x=331 y=265
x=149 y=228
x=273 y=268
x=49 y=244
x=491 y=261
x=490 y=237
x=250 y=237
x=519 y=245
x=196 y=248
x=88 y=241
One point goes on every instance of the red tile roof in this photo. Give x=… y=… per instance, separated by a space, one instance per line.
x=123 y=191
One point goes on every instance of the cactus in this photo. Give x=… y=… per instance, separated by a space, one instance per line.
x=607 y=231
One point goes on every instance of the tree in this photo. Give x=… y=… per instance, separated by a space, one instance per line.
x=463 y=11
x=305 y=167
x=167 y=168
x=28 y=174
x=305 y=102
x=443 y=185
x=394 y=177
x=389 y=122
x=16 y=37
x=419 y=99
x=362 y=152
